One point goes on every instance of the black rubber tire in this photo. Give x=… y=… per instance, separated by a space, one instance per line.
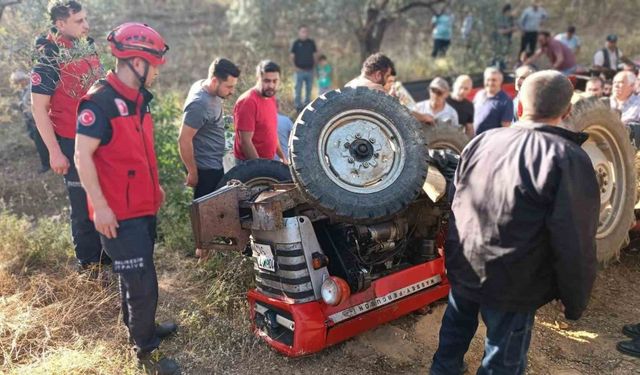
x=586 y=115
x=446 y=137
x=326 y=195
x=258 y=171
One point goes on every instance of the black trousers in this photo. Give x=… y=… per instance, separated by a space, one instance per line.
x=528 y=42
x=208 y=180
x=86 y=240
x=440 y=47
x=132 y=254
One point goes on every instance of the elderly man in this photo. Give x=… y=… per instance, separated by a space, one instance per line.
x=623 y=99
x=522 y=232
x=435 y=110
x=376 y=71
x=492 y=107
x=458 y=100
x=521 y=73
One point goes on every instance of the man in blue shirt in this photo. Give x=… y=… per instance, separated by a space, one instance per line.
x=442 y=29
x=285 y=126
x=492 y=107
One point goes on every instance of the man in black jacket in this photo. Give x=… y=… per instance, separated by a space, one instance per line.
x=525 y=214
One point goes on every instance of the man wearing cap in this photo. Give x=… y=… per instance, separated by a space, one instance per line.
x=57 y=84
x=522 y=231
x=435 y=110
x=608 y=58
x=119 y=171
x=493 y=108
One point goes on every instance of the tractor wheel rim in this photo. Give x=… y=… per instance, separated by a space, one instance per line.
x=361 y=151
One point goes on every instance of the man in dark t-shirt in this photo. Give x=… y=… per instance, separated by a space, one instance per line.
x=493 y=108
x=303 y=57
x=458 y=100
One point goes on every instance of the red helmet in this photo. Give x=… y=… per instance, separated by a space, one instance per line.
x=133 y=39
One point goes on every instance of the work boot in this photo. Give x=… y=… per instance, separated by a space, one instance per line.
x=631 y=348
x=166 y=329
x=157 y=364
x=632 y=330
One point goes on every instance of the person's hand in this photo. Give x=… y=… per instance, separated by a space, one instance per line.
x=285 y=161
x=105 y=221
x=192 y=179
x=163 y=195
x=59 y=163
x=427 y=119
x=203 y=255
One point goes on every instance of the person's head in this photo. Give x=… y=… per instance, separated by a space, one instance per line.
x=611 y=41
x=378 y=68
x=543 y=38
x=571 y=30
x=303 y=32
x=322 y=60
x=138 y=48
x=535 y=4
x=69 y=19
x=545 y=96
x=506 y=9
x=461 y=87
x=268 y=74
x=438 y=92
x=223 y=77
x=492 y=80
x=594 y=87
x=624 y=84
x=389 y=84
x=521 y=73
x=607 y=88
x=19 y=79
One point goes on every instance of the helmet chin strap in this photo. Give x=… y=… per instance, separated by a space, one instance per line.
x=141 y=77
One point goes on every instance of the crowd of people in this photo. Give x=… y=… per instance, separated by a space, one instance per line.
x=100 y=138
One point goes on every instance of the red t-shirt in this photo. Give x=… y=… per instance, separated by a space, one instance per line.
x=257 y=114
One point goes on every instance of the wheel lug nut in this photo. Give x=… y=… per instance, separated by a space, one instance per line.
x=365 y=164
x=372 y=140
x=357 y=135
x=346 y=145
x=350 y=160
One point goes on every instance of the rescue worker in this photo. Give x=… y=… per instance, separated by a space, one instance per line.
x=57 y=84
x=118 y=169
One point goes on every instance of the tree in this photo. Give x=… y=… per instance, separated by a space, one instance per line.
x=379 y=14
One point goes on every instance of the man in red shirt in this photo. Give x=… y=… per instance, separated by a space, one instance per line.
x=256 y=118
x=57 y=84
x=561 y=57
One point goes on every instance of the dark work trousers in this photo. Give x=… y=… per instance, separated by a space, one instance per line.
x=440 y=47
x=505 y=347
x=208 y=180
x=34 y=134
x=528 y=42
x=132 y=255
x=86 y=239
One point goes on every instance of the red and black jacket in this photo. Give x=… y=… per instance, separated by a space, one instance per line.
x=126 y=165
x=65 y=70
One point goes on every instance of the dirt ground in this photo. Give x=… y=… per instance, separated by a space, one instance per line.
x=219 y=341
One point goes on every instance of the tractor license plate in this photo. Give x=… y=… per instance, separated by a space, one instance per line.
x=264 y=256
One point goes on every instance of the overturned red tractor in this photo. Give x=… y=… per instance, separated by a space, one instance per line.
x=351 y=235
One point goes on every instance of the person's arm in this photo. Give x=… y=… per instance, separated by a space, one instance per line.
x=423 y=118
x=40 y=108
x=533 y=57
x=103 y=217
x=280 y=154
x=185 y=148
x=572 y=226
x=246 y=145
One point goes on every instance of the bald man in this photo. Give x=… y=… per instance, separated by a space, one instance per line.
x=623 y=98
x=522 y=232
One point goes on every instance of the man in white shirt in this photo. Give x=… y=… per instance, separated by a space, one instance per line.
x=570 y=39
x=435 y=110
x=623 y=99
x=608 y=58
x=530 y=22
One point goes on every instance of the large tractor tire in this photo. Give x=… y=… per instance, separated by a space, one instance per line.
x=612 y=156
x=358 y=155
x=259 y=172
x=447 y=137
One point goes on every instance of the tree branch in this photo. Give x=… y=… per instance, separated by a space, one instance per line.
x=419 y=4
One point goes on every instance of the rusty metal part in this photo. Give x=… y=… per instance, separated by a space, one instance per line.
x=269 y=206
x=216 y=221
